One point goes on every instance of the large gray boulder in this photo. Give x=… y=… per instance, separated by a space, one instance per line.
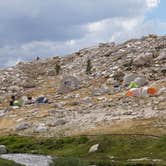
x=140 y=81
x=28 y=83
x=3 y=149
x=129 y=78
x=14 y=88
x=28 y=159
x=69 y=84
x=162 y=56
x=134 y=77
x=143 y=59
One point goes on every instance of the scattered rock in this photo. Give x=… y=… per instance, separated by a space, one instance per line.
x=162 y=56
x=14 y=89
x=94 y=148
x=59 y=122
x=163 y=70
x=51 y=72
x=3 y=149
x=100 y=91
x=22 y=126
x=119 y=76
x=28 y=83
x=162 y=91
x=127 y=113
x=41 y=128
x=3 y=112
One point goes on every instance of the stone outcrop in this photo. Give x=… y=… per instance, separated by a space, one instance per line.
x=78 y=102
x=69 y=84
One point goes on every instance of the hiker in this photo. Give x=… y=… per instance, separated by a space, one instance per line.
x=38 y=58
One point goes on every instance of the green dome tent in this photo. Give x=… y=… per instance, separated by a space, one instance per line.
x=133 y=85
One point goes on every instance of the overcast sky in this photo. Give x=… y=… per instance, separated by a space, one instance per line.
x=31 y=28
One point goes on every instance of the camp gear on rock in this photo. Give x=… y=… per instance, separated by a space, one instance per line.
x=15 y=107
x=27 y=100
x=133 y=85
x=30 y=100
x=116 y=88
x=41 y=99
x=141 y=92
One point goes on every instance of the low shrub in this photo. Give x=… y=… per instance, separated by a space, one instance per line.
x=68 y=162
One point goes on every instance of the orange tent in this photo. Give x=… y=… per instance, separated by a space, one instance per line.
x=151 y=91
x=129 y=93
x=141 y=92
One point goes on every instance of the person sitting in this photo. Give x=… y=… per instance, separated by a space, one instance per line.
x=11 y=103
x=15 y=102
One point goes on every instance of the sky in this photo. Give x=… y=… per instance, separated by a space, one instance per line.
x=45 y=28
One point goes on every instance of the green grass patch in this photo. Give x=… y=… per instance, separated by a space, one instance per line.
x=8 y=163
x=70 y=161
x=119 y=148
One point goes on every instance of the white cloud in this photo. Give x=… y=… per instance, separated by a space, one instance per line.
x=48 y=32
x=12 y=62
x=152 y=3
x=116 y=29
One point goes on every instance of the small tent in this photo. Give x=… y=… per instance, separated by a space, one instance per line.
x=17 y=103
x=141 y=92
x=133 y=85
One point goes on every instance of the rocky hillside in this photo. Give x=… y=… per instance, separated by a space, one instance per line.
x=88 y=98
